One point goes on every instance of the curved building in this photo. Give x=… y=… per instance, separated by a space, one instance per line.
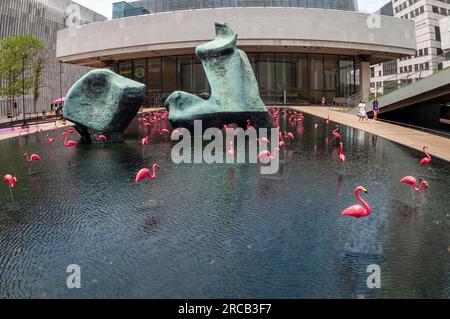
x=299 y=54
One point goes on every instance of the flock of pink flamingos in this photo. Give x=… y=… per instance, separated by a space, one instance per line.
x=149 y=119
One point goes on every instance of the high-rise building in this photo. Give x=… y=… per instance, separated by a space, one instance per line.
x=444 y=24
x=429 y=54
x=126 y=9
x=43 y=19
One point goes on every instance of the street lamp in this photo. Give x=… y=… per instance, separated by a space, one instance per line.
x=60 y=79
x=24 y=125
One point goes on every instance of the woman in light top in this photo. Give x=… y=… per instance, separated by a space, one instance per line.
x=362 y=111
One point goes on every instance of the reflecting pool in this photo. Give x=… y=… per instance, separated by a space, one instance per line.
x=222 y=231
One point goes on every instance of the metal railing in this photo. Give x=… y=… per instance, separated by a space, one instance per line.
x=426 y=69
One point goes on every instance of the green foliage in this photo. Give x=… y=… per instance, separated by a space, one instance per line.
x=22 y=64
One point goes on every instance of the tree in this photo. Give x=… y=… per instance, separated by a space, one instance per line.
x=22 y=64
x=38 y=71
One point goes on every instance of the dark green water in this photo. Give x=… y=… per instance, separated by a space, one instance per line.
x=222 y=231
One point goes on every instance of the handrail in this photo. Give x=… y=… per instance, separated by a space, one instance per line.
x=443 y=55
x=410 y=75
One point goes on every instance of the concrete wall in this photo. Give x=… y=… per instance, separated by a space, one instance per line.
x=311 y=30
x=422 y=115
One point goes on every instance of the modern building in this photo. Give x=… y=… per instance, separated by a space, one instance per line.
x=428 y=56
x=43 y=19
x=126 y=9
x=444 y=24
x=300 y=51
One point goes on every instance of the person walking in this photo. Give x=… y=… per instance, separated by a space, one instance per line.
x=376 y=109
x=362 y=111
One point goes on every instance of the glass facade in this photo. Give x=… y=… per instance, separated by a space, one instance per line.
x=283 y=78
x=123 y=9
x=120 y=9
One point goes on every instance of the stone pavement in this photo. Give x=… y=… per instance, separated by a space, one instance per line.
x=438 y=146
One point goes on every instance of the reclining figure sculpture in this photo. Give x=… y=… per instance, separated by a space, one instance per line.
x=234 y=90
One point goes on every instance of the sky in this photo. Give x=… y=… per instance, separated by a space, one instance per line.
x=104 y=7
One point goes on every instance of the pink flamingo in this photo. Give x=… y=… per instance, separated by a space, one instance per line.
x=268 y=154
x=282 y=143
x=145 y=141
x=231 y=149
x=50 y=139
x=249 y=125
x=101 y=138
x=68 y=144
x=412 y=181
x=426 y=160
x=11 y=181
x=336 y=134
x=342 y=155
x=177 y=133
x=31 y=159
x=289 y=135
x=164 y=132
x=358 y=211
x=263 y=140
x=145 y=173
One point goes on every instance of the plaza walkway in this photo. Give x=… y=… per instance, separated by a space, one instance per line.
x=9 y=132
x=438 y=146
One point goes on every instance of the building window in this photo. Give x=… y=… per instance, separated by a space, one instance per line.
x=169 y=74
x=266 y=73
x=185 y=73
x=126 y=69
x=437 y=32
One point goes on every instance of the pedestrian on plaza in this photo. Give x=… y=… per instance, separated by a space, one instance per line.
x=376 y=109
x=362 y=111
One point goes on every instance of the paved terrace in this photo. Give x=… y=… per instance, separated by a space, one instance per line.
x=9 y=132
x=438 y=146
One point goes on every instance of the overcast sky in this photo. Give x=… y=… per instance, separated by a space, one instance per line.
x=104 y=7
